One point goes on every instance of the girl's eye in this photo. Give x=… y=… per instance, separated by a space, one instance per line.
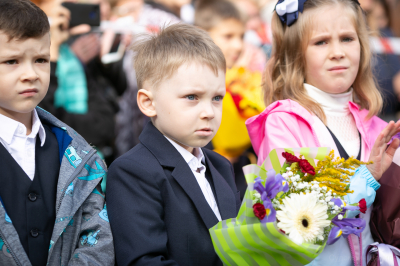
x=347 y=39
x=41 y=61
x=320 y=43
x=218 y=98
x=191 y=97
x=11 y=62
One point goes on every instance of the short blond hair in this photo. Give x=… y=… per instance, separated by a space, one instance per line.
x=158 y=57
x=285 y=71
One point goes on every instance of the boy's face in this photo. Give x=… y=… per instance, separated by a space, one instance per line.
x=189 y=105
x=228 y=35
x=24 y=74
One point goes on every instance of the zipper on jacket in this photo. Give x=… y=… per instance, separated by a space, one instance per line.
x=74 y=175
x=9 y=249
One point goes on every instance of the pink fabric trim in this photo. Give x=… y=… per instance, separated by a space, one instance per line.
x=355 y=244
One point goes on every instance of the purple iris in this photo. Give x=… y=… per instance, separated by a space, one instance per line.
x=346 y=226
x=274 y=184
x=338 y=202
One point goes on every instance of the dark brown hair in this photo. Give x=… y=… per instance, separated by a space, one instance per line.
x=211 y=12
x=22 y=19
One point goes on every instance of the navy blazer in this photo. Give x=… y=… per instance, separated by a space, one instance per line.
x=157 y=211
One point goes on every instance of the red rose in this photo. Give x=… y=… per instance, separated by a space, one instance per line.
x=259 y=211
x=306 y=167
x=363 y=205
x=290 y=158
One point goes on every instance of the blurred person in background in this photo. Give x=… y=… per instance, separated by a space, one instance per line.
x=130 y=120
x=258 y=32
x=386 y=66
x=82 y=92
x=224 y=23
x=170 y=6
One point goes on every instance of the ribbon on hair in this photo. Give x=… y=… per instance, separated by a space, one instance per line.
x=287 y=6
x=388 y=255
x=288 y=10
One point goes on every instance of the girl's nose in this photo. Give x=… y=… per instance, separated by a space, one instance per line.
x=337 y=52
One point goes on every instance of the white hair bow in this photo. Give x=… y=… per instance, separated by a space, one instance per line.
x=287 y=6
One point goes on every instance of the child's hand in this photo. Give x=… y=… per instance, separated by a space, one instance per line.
x=381 y=155
x=86 y=47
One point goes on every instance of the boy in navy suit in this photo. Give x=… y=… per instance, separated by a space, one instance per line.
x=165 y=193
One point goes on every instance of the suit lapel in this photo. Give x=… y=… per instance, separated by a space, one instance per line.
x=169 y=157
x=225 y=198
x=184 y=176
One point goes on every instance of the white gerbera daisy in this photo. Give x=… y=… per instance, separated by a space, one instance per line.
x=303 y=218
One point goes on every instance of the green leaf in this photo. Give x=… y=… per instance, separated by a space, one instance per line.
x=284 y=166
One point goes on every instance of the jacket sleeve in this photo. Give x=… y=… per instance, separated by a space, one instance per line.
x=136 y=211
x=95 y=229
x=364 y=186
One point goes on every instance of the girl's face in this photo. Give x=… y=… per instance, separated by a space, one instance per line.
x=333 y=51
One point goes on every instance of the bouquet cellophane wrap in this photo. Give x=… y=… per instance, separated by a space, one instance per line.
x=385 y=216
x=244 y=240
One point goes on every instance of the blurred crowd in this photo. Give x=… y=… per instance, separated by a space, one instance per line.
x=93 y=86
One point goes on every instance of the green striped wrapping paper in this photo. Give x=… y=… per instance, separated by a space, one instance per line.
x=245 y=241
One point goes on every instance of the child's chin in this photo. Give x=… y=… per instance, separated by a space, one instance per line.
x=202 y=142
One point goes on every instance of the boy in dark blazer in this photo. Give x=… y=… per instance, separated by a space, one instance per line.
x=165 y=193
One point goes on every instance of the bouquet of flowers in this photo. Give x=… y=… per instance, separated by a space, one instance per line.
x=290 y=211
x=242 y=101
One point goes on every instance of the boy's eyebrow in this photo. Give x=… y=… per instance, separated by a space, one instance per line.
x=16 y=54
x=42 y=55
x=195 y=89
x=8 y=55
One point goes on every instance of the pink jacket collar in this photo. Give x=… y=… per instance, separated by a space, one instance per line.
x=369 y=129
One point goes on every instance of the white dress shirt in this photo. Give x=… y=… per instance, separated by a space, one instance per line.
x=18 y=144
x=195 y=163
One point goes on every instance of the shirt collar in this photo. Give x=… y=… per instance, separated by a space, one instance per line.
x=193 y=160
x=9 y=128
x=337 y=104
x=37 y=128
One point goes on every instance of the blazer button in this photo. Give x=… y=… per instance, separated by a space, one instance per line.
x=34 y=233
x=32 y=197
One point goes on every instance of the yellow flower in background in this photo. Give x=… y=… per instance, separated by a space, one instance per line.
x=242 y=101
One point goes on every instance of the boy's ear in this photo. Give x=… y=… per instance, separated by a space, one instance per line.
x=145 y=102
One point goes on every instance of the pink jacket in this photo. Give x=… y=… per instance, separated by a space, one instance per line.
x=286 y=124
